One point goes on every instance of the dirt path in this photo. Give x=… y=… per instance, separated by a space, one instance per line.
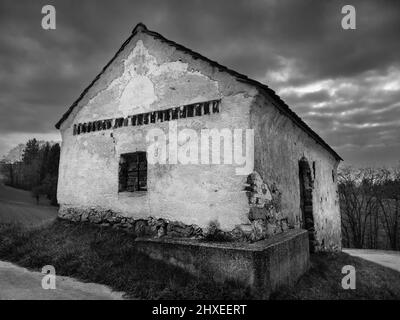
x=389 y=259
x=17 y=283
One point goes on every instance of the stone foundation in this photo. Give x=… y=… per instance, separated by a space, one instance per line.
x=265 y=219
x=152 y=227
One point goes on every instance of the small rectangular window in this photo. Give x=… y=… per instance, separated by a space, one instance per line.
x=153 y=117
x=140 y=119
x=198 y=109
x=133 y=172
x=206 y=108
x=160 y=116
x=182 y=112
x=146 y=118
x=190 y=110
x=175 y=113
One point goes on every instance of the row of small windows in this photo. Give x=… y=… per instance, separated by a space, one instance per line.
x=187 y=111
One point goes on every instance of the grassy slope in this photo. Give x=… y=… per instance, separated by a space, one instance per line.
x=18 y=206
x=11 y=194
x=108 y=256
x=26 y=214
x=323 y=281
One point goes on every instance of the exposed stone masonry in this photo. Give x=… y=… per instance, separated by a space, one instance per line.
x=265 y=204
x=152 y=227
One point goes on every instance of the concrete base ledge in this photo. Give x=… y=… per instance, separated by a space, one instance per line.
x=264 y=266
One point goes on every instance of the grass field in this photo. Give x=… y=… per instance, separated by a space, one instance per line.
x=108 y=256
x=18 y=206
x=323 y=281
x=26 y=214
x=105 y=256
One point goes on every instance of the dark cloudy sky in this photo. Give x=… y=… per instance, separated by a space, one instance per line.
x=344 y=83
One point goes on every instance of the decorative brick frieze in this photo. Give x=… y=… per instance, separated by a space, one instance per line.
x=181 y=112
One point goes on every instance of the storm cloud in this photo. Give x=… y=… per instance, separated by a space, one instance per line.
x=344 y=83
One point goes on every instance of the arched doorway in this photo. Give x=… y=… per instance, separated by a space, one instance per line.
x=306 y=197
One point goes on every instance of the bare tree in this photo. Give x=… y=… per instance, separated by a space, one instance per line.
x=357 y=193
x=388 y=198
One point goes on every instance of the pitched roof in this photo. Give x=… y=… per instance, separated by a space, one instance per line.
x=277 y=101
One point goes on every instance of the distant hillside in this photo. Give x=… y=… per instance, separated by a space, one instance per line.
x=14 y=154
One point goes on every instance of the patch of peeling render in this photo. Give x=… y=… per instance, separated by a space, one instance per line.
x=135 y=88
x=266 y=219
x=101 y=145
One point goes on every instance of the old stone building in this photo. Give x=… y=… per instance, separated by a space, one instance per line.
x=107 y=176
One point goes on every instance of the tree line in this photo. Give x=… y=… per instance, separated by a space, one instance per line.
x=37 y=171
x=370 y=203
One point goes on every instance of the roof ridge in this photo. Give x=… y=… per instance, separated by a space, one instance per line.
x=140 y=27
x=241 y=77
x=281 y=105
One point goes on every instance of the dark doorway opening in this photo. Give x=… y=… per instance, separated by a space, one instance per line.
x=306 y=197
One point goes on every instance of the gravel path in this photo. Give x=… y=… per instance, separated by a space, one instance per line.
x=390 y=259
x=18 y=283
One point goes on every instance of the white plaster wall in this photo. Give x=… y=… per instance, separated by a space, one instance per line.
x=279 y=145
x=149 y=75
